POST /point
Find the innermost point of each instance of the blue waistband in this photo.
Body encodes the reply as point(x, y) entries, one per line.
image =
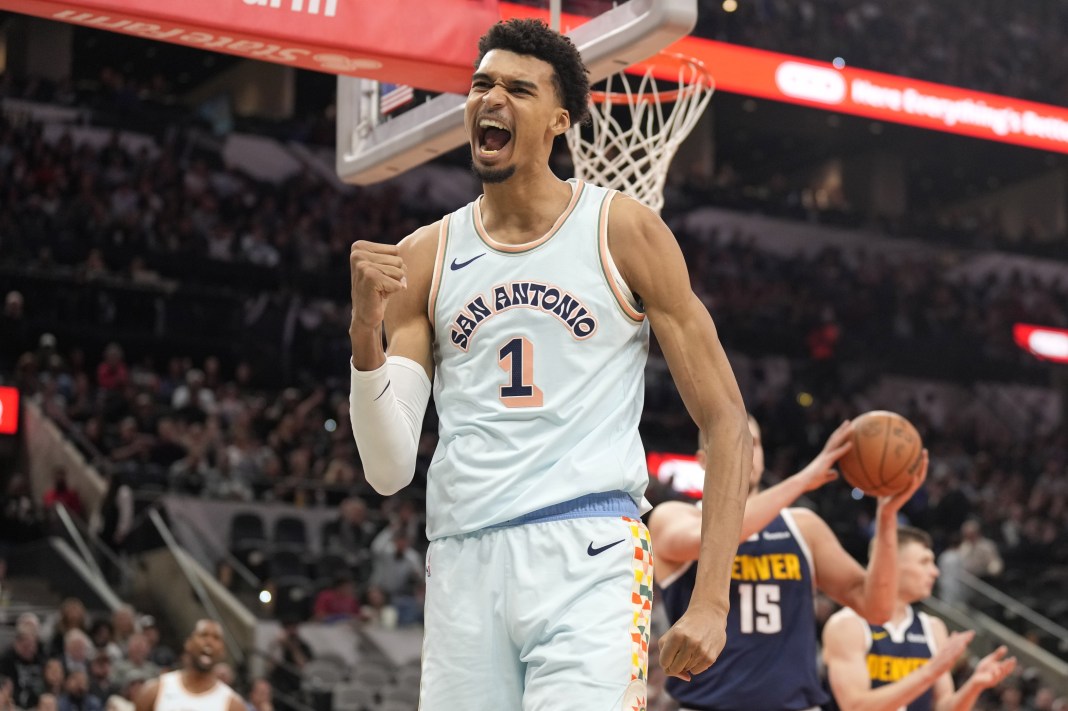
point(603, 504)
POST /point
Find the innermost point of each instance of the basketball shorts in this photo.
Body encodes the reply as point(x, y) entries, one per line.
point(550, 612)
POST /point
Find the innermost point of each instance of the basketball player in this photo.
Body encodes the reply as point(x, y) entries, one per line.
point(770, 658)
point(194, 687)
point(530, 310)
point(905, 662)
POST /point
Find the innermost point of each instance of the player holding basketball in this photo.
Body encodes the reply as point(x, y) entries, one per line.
point(906, 661)
point(530, 309)
point(770, 658)
point(195, 686)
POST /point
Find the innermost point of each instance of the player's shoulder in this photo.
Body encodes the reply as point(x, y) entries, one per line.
point(845, 622)
point(936, 624)
point(423, 241)
point(807, 520)
point(669, 511)
point(628, 216)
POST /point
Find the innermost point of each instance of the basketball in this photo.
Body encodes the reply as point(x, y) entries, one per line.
point(886, 454)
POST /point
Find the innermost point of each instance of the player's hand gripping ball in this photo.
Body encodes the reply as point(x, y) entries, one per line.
point(887, 453)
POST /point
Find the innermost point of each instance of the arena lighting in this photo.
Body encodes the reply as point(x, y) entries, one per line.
point(1042, 342)
point(9, 411)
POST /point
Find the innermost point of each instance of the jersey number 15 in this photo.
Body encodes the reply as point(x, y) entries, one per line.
point(758, 608)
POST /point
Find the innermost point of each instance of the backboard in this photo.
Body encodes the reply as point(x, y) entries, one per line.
point(373, 146)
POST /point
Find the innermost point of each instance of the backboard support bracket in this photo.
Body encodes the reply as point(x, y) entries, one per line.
point(369, 152)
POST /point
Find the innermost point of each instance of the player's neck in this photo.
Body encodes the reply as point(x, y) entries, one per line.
point(901, 612)
point(198, 682)
point(524, 207)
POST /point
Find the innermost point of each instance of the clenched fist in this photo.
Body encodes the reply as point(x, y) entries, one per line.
point(377, 272)
point(693, 643)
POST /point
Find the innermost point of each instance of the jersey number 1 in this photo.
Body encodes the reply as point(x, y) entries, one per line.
point(516, 358)
point(759, 608)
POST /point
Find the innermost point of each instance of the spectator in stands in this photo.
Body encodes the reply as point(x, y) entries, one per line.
point(112, 374)
point(76, 696)
point(289, 654)
point(71, 616)
point(351, 535)
point(18, 337)
point(47, 702)
point(979, 554)
point(62, 493)
point(131, 683)
point(193, 401)
point(160, 654)
point(20, 518)
point(101, 632)
point(77, 651)
point(224, 673)
point(101, 684)
point(950, 564)
point(337, 602)
point(398, 570)
point(114, 522)
point(23, 664)
point(136, 659)
point(376, 609)
point(55, 677)
point(7, 690)
point(260, 696)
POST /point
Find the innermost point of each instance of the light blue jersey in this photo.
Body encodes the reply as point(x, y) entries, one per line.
point(539, 358)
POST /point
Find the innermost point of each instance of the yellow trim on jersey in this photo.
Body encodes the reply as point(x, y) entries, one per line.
point(500, 247)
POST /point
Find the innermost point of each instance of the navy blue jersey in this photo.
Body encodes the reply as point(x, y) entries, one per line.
point(894, 651)
point(769, 661)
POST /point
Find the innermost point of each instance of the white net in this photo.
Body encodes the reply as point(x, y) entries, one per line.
point(633, 155)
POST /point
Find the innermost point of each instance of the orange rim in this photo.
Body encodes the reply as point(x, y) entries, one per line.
point(697, 69)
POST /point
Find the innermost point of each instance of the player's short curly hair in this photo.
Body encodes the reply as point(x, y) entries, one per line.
point(536, 39)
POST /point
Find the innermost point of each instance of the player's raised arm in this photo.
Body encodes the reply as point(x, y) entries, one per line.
point(675, 526)
point(390, 291)
point(870, 591)
point(761, 509)
point(652, 265)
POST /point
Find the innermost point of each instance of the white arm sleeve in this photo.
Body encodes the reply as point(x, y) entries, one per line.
point(386, 408)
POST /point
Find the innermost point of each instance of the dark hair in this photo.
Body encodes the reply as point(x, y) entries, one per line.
point(909, 534)
point(535, 39)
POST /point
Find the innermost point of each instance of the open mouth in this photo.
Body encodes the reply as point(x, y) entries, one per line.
point(492, 136)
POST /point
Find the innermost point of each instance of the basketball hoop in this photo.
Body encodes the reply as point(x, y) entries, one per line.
point(634, 157)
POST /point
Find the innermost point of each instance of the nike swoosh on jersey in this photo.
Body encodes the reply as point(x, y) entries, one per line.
point(594, 551)
point(460, 265)
point(879, 635)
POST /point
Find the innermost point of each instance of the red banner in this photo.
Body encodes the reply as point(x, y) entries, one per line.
point(428, 43)
point(885, 97)
point(754, 72)
point(9, 410)
point(1042, 342)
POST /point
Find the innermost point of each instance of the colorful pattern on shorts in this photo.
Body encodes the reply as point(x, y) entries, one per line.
point(642, 597)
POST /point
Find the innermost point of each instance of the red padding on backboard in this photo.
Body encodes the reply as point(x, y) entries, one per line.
point(428, 43)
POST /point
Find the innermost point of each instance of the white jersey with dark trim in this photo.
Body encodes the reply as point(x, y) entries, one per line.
point(173, 696)
point(540, 355)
